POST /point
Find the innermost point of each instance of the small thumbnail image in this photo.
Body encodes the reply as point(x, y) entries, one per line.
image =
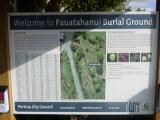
point(111, 57)
point(146, 57)
point(123, 57)
point(134, 57)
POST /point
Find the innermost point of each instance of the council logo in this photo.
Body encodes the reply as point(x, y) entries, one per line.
point(146, 107)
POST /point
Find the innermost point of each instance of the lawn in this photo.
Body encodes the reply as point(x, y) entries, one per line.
point(67, 82)
point(85, 80)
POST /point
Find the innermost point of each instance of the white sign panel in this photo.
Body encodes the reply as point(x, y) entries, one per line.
point(83, 63)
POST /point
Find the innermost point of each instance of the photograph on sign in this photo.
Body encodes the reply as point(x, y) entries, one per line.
point(82, 62)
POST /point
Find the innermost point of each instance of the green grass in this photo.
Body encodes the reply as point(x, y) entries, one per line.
point(67, 82)
point(86, 80)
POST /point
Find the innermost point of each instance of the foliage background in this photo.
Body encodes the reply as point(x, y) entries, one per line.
point(68, 5)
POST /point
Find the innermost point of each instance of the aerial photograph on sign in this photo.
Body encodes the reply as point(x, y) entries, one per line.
point(83, 65)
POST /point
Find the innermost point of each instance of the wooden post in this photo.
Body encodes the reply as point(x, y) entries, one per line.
point(4, 56)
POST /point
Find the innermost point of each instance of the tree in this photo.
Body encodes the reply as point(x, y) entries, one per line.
point(99, 69)
point(79, 53)
point(97, 83)
point(100, 57)
point(92, 39)
point(101, 42)
point(73, 46)
point(69, 5)
point(128, 9)
point(92, 73)
point(30, 5)
point(140, 9)
point(94, 5)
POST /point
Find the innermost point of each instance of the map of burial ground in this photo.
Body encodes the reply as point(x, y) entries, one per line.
point(83, 61)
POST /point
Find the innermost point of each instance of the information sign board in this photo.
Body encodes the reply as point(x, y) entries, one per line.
point(83, 63)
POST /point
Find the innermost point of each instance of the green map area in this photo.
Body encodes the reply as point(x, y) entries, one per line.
point(83, 68)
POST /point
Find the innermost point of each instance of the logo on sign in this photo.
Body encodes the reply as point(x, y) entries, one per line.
point(146, 107)
point(133, 106)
